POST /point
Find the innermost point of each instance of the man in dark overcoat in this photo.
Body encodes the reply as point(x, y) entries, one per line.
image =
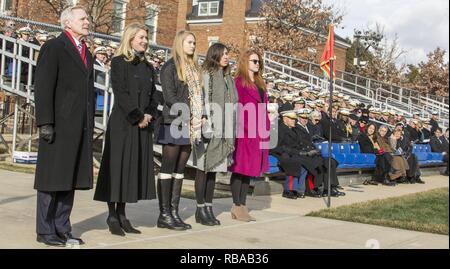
point(64, 96)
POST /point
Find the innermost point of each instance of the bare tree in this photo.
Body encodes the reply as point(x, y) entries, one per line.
point(383, 60)
point(102, 13)
point(292, 26)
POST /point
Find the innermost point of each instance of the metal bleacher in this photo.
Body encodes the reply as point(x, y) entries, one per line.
point(21, 90)
point(348, 155)
point(368, 91)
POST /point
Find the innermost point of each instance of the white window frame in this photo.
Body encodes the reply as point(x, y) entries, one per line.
point(212, 40)
point(3, 6)
point(155, 9)
point(209, 5)
point(122, 15)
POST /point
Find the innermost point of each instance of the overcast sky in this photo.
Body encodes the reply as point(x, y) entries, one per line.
point(421, 25)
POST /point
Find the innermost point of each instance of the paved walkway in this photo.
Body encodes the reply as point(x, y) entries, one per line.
point(281, 222)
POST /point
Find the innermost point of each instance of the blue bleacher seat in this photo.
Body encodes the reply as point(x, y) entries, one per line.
point(273, 165)
point(425, 156)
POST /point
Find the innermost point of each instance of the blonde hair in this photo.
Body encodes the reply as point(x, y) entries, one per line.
point(180, 58)
point(129, 34)
point(67, 14)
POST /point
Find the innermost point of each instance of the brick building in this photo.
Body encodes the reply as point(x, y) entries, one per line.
point(228, 21)
point(231, 21)
point(159, 15)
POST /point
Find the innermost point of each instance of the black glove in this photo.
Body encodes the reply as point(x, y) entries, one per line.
point(47, 133)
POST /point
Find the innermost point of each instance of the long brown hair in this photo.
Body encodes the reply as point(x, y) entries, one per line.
point(213, 57)
point(243, 67)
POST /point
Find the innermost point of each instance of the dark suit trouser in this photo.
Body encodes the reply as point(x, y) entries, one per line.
point(53, 212)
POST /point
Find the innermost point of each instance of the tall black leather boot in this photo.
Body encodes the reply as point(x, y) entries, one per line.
point(175, 200)
point(164, 189)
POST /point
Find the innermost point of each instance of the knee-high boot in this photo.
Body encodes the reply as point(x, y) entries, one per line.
point(175, 200)
point(164, 189)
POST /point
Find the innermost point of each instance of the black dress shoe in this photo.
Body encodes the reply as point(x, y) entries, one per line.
point(114, 226)
point(370, 182)
point(50, 240)
point(315, 193)
point(420, 181)
point(126, 226)
point(289, 195)
point(333, 193)
point(387, 182)
point(68, 236)
point(339, 193)
point(301, 195)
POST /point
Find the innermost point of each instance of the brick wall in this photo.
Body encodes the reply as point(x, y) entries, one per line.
point(36, 10)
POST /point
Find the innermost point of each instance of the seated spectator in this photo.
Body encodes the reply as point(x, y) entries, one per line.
point(314, 126)
point(411, 131)
point(307, 144)
point(434, 122)
point(343, 124)
point(294, 154)
point(401, 143)
point(354, 124)
point(368, 143)
point(338, 133)
point(363, 121)
point(446, 136)
point(425, 129)
point(287, 152)
point(439, 144)
point(399, 165)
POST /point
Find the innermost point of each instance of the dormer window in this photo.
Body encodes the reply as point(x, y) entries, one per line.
point(208, 8)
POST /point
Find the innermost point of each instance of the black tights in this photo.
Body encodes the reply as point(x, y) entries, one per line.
point(239, 188)
point(117, 210)
point(204, 187)
point(174, 158)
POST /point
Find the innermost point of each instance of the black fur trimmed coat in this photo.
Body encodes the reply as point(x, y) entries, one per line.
point(126, 172)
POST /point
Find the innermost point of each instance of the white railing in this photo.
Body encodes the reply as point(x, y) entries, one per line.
point(378, 96)
point(361, 84)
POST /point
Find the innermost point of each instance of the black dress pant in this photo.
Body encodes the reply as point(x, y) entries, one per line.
point(53, 212)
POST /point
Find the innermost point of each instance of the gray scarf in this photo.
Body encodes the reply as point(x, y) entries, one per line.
point(220, 90)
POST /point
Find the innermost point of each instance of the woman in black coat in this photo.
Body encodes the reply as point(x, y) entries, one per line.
point(181, 127)
point(369, 144)
point(126, 173)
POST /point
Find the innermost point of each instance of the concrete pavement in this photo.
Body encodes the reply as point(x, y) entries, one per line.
point(277, 218)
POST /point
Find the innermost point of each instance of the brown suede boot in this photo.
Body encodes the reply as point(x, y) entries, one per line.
point(238, 213)
point(250, 217)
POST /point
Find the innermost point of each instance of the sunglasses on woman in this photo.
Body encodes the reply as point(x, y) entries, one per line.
point(255, 61)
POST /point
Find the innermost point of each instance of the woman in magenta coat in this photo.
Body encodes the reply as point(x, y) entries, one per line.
point(251, 157)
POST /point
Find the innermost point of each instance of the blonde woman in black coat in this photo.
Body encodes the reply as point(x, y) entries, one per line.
point(126, 172)
point(181, 127)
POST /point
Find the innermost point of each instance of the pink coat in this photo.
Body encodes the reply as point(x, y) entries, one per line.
point(251, 155)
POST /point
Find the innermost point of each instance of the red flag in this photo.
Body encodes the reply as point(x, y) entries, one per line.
point(328, 54)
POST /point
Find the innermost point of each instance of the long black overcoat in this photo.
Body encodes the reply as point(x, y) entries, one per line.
point(64, 98)
point(126, 172)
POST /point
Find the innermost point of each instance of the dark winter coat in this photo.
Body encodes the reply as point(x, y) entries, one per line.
point(126, 173)
point(64, 96)
point(174, 91)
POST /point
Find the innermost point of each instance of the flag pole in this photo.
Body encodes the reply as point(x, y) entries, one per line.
point(330, 111)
